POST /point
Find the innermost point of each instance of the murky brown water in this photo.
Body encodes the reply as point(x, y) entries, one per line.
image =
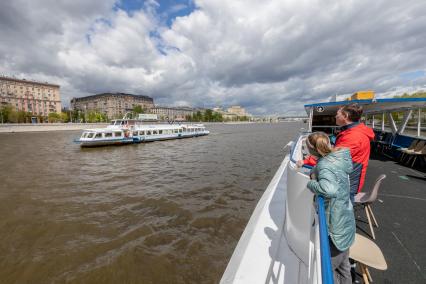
point(162, 212)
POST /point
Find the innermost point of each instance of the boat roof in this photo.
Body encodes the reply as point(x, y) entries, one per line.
point(147, 127)
point(370, 106)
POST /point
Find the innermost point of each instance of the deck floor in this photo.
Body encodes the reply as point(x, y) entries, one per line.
point(400, 211)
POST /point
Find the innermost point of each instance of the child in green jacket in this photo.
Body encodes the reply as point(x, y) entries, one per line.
point(330, 178)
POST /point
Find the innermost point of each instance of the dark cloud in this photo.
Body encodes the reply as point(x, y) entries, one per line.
point(268, 56)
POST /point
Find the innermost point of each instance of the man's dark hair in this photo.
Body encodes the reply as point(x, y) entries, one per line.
point(353, 111)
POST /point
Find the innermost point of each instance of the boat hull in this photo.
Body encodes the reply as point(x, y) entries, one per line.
point(100, 143)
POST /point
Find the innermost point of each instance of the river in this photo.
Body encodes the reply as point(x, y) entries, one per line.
point(162, 212)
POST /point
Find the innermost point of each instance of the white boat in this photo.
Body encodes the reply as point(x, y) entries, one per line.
point(286, 238)
point(128, 131)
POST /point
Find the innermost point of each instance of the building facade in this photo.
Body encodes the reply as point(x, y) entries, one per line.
point(173, 113)
point(233, 113)
point(114, 105)
point(37, 98)
point(238, 111)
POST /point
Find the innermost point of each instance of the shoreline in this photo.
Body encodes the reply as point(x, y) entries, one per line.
point(45, 127)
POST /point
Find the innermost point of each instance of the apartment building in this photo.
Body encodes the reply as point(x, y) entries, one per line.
point(114, 105)
point(38, 98)
point(173, 113)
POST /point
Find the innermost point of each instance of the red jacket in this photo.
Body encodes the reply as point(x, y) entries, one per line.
point(310, 160)
point(357, 138)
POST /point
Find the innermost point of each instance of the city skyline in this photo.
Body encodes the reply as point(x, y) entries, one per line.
point(269, 57)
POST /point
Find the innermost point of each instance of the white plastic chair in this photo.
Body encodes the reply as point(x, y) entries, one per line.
point(365, 199)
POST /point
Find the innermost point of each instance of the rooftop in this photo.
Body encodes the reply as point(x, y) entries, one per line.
point(27, 81)
point(112, 94)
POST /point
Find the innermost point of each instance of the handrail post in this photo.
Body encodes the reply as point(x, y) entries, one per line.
point(326, 268)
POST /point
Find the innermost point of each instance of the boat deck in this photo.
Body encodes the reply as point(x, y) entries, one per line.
point(401, 213)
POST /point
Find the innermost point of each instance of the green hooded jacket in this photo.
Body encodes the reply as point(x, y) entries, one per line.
point(332, 182)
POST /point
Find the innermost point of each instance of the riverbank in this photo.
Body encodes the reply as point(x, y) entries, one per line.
point(25, 127)
point(40, 127)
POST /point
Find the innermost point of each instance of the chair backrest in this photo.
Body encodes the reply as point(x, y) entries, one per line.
point(373, 194)
point(420, 145)
point(413, 144)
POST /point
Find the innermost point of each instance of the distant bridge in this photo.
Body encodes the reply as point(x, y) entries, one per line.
point(292, 117)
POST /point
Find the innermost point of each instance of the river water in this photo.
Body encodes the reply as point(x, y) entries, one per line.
point(161, 212)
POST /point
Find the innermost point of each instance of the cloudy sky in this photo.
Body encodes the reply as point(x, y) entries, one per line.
point(270, 57)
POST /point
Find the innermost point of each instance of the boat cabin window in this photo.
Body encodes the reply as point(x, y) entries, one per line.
point(180, 130)
point(148, 132)
point(325, 123)
point(117, 134)
point(135, 133)
point(154, 132)
point(108, 134)
point(98, 135)
point(160, 131)
point(176, 131)
point(90, 135)
point(141, 133)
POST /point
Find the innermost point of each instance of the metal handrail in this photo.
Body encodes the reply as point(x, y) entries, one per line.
point(326, 271)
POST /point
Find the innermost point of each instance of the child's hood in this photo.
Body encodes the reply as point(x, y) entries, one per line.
point(341, 158)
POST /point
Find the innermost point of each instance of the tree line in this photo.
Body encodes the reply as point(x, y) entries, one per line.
point(8, 114)
point(211, 116)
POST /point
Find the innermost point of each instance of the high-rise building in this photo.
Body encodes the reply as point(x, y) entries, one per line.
point(38, 98)
point(114, 105)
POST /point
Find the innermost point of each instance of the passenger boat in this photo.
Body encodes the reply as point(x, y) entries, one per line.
point(286, 238)
point(129, 131)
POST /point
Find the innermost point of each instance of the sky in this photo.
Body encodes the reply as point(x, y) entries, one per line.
point(270, 57)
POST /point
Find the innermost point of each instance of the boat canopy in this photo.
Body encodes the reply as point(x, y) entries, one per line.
point(376, 112)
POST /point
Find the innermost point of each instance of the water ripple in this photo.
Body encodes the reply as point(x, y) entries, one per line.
point(163, 212)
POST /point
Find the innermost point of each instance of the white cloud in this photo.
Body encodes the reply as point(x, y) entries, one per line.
point(268, 56)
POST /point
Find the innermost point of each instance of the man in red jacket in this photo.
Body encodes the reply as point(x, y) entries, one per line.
point(355, 136)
